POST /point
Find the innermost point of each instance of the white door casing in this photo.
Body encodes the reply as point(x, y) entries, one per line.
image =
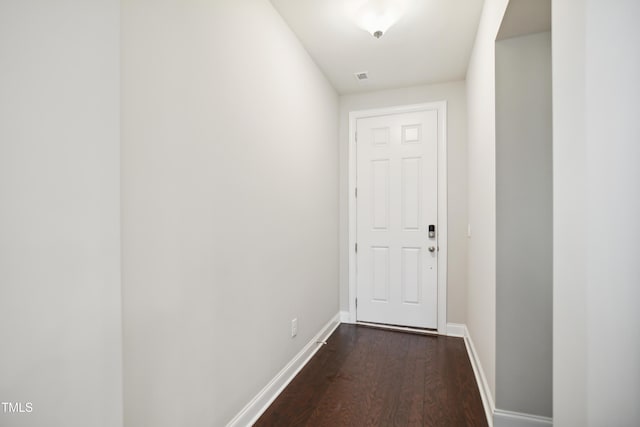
point(399, 165)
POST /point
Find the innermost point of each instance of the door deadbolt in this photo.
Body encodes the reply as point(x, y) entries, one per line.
point(432, 231)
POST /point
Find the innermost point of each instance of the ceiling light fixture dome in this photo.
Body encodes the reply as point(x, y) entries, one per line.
point(377, 16)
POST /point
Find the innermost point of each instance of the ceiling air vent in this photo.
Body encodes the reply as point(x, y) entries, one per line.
point(362, 76)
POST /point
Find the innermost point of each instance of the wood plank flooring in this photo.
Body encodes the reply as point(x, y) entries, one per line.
point(372, 377)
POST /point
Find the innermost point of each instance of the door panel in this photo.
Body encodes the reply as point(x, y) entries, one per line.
point(380, 194)
point(397, 201)
point(411, 184)
point(380, 273)
point(411, 276)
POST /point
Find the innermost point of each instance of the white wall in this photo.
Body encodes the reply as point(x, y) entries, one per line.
point(454, 94)
point(524, 227)
point(569, 206)
point(60, 310)
point(230, 214)
point(596, 209)
point(481, 300)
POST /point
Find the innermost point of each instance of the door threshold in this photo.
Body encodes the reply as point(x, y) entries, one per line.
point(421, 331)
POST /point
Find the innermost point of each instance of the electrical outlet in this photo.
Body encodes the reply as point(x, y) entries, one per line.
point(294, 327)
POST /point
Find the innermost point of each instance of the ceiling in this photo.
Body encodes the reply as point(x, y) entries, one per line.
point(430, 43)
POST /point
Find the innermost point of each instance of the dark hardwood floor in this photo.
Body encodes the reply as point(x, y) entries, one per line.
point(372, 377)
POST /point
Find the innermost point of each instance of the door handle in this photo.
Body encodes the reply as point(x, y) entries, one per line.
point(432, 248)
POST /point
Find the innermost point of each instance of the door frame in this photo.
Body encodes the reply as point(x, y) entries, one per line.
point(441, 108)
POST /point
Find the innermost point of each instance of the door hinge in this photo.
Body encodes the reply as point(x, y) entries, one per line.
point(356, 136)
point(356, 191)
point(356, 248)
point(356, 302)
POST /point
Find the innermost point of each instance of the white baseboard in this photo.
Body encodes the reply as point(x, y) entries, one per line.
point(345, 317)
point(481, 379)
point(256, 407)
point(515, 419)
point(456, 330)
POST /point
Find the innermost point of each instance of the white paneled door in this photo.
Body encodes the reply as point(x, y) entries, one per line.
point(396, 203)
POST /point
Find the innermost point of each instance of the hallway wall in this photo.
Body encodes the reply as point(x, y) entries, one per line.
point(596, 65)
point(454, 94)
point(60, 300)
point(230, 215)
point(481, 301)
point(524, 227)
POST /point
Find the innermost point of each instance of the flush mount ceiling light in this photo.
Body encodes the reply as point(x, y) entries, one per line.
point(377, 16)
